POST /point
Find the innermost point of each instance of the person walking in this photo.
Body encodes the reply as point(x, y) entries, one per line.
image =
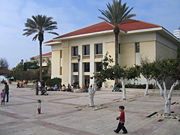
point(37, 87)
point(3, 97)
point(6, 88)
point(121, 119)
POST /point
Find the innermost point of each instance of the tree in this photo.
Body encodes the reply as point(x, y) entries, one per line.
point(25, 75)
point(123, 74)
point(23, 71)
point(162, 72)
point(116, 72)
point(119, 73)
point(19, 67)
point(38, 25)
point(101, 76)
point(115, 14)
point(146, 71)
point(3, 63)
point(30, 65)
point(4, 67)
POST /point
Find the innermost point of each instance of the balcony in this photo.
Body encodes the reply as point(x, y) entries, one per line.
point(74, 58)
point(86, 57)
point(98, 56)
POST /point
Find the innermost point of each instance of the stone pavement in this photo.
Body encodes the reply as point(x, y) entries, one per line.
point(68, 114)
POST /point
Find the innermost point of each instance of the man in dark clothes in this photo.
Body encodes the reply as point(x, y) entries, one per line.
point(6, 88)
point(37, 87)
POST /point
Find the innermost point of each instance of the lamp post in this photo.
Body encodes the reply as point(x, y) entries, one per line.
point(79, 58)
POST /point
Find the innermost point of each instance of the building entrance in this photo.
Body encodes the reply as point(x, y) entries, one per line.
point(86, 80)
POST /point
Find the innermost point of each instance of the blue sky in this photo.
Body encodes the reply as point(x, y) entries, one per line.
point(70, 15)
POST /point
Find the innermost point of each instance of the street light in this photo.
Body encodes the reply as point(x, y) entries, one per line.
point(79, 58)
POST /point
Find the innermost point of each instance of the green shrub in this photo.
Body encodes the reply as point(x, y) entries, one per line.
point(45, 78)
point(54, 81)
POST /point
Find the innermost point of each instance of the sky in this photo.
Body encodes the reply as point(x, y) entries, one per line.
point(70, 15)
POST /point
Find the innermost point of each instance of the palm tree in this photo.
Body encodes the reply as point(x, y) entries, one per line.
point(38, 25)
point(115, 14)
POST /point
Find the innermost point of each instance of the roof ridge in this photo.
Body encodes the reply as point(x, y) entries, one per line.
point(49, 41)
point(148, 23)
point(128, 25)
point(50, 53)
point(79, 29)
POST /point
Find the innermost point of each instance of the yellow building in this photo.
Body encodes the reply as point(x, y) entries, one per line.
point(78, 54)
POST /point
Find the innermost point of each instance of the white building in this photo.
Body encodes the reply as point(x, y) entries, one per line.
point(77, 55)
point(46, 59)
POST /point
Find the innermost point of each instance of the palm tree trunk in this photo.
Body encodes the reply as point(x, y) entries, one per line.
point(116, 32)
point(40, 54)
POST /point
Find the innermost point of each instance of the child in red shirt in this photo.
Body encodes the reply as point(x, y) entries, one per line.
point(121, 119)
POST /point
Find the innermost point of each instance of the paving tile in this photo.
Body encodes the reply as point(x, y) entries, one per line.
point(65, 113)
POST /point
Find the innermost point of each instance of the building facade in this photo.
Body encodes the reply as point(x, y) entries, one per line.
point(46, 59)
point(77, 55)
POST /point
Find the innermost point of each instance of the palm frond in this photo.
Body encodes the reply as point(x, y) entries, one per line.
point(50, 28)
point(103, 18)
point(29, 32)
point(126, 13)
point(129, 16)
point(107, 16)
point(39, 25)
point(54, 33)
point(35, 37)
point(116, 12)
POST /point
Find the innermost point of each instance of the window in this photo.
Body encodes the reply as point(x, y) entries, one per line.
point(75, 51)
point(86, 67)
point(98, 49)
point(98, 66)
point(75, 67)
point(137, 47)
point(86, 49)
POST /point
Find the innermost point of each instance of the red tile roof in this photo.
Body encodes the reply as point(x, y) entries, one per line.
point(131, 24)
point(45, 54)
point(102, 26)
point(128, 25)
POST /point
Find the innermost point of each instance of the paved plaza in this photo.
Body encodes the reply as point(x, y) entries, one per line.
point(65, 113)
